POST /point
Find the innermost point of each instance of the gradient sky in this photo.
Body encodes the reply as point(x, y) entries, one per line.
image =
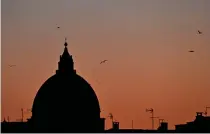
point(145, 41)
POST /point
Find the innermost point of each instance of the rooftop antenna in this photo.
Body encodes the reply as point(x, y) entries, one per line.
point(206, 110)
point(22, 114)
point(111, 117)
point(132, 124)
point(151, 110)
point(8, 118)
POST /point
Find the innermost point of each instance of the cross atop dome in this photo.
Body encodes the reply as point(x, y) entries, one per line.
point(65, 44)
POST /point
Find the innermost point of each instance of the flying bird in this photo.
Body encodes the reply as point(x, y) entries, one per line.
point(12, 65)
point(103, 61)
point(199, 32)
point(57, 26)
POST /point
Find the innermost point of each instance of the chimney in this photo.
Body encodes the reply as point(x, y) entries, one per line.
point(115, 125)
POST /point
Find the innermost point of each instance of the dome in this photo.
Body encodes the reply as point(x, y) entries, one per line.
point(73, 93)
point(65, 101)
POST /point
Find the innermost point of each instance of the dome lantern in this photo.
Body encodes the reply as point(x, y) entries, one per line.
point(66, 63)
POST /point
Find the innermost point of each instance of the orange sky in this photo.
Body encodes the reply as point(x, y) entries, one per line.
point(145, 41)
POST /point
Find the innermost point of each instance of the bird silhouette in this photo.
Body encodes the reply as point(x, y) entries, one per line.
point(103, 61)
point(12, 65)
point(57, 26)
point(199, 32)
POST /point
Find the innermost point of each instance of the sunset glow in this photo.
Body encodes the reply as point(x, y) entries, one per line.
point(146, 43)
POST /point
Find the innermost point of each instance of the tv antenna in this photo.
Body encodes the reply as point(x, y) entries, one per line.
point(206, 110)
point(111, 117)
point(24, 111)
point(151, 110)
point(132, 124)
point(8, 118)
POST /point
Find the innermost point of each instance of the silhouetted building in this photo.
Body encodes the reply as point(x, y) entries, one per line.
point(66, 102)
point(163, 127)
point(200, 124)
point(14, 127)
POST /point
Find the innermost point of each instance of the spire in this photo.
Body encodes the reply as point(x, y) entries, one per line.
point(66, 63)
point(65, 44)
point(65, 52)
